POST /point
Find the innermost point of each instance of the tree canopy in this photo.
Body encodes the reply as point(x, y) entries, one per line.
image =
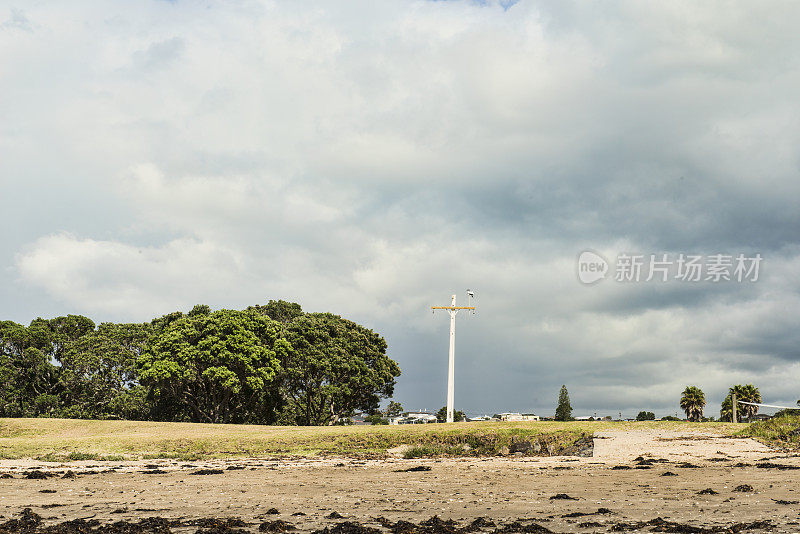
point(216, 366)
point(693, 400)
point(99, 372)
point(335, 367)
point(267, 364)
point(29, 382)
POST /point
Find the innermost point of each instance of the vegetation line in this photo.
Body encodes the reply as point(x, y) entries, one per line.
point(71, 439)
point(272, 364)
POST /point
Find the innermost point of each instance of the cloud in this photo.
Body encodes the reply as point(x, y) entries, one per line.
point(126, 280)
point(373, 159)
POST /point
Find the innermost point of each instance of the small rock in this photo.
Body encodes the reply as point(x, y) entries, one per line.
point(562, 497)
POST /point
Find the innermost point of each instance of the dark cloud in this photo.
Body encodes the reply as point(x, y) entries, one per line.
point(374, 160)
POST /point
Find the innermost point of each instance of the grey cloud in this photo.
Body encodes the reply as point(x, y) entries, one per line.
point(372, 160)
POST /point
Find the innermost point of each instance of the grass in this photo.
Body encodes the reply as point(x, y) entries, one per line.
point(779, 432)
point(74, 439)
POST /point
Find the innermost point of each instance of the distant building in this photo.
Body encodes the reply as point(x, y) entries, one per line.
point(413, 418)
point(514, 416)
point(359, 420)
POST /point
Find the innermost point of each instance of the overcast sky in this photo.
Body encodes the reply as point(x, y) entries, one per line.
point(373, 158)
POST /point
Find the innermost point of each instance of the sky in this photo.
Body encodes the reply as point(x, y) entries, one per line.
point(373, 158)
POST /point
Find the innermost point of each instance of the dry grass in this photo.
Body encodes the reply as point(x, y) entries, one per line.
point(64, 439)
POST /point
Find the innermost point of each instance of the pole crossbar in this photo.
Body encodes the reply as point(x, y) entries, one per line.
point(453, 308)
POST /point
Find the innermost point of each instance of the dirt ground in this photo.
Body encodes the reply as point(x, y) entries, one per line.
point(633, 478)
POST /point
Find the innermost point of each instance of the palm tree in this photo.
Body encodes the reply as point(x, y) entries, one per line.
point(693, 400)
point(746, 393)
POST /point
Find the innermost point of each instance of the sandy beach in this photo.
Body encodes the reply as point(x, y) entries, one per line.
point(682, 477)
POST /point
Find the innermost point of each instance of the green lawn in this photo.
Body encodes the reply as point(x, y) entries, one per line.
point(64, 439)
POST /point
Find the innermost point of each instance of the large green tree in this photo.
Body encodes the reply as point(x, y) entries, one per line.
point(30, 382)
point(746, 393)
point(220, 367)
point(335, 367)
point(693, 400)
point(100, 375)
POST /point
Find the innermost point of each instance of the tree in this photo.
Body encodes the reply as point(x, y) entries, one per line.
point(224, 366)
point(395, 409)
point(564, 408)
point(30, 382)
point(646, 416)
point(218, 366)
point(100, 375)
point(441, 415)
point(335, 367)
point(746, 393)
point(693, 400)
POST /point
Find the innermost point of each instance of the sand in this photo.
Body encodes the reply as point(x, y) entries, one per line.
point(625, 476)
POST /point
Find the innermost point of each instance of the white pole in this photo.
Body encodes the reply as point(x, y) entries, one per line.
point(453, 311)
point(452, 363)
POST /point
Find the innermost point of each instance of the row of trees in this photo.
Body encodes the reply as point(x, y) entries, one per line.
point(693, 401)
point(271, 364)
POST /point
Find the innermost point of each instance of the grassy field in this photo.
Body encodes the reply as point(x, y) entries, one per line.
point(72, 439)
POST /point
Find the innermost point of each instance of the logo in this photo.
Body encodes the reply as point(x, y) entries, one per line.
point(592, 267)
